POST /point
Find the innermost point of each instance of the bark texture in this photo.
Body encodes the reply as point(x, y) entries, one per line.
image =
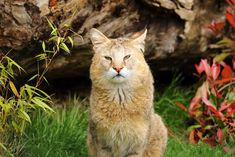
point(176, 36)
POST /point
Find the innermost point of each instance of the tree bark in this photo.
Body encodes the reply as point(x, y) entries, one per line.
point(177, 36)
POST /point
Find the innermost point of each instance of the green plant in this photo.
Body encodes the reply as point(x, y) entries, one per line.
point(56, 43)
point(17, 104)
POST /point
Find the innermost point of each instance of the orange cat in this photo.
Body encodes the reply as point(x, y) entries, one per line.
point(122, 121)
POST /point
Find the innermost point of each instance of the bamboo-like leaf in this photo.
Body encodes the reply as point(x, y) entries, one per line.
point(50, 24)
point(54, 32)
point(41, 56)
point(66, 25)
point(49, 51)
point(44, 78)
point(38, 91)
point(14, 90)
point(14, 63)
point(24, 116)
point(41, 104)
point(53, 38)
point(43, 46)
point(59, 40)
point(64, 47)
point(33, 77)
point(71, 40)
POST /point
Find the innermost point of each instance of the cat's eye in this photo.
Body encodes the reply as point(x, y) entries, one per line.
point(126, 57)
point(108, 58)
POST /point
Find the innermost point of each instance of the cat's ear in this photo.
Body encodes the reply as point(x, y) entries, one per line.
point(98, 38)
point(139, 41)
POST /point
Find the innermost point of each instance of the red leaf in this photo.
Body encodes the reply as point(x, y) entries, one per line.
point(203, 66)
point(227, 72)
point(194, 103)
point(207, 67)
point(231, 2)
point(199, 68)
point(226, 149)
point(223, 106)
point(212, 108)
point(211, 141)
point(230, 17)
point(181, 106)
point(192, 137)
point(216, 91)
point(215, 71)
point(220, 135)
point(220, 82)
point(216, 27)
point(230, 112)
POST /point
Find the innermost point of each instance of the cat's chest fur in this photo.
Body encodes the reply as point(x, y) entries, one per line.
point(121, 117)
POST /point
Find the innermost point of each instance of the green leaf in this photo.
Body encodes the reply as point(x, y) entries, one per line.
point(38, 91)
point(71, 40)
point(54, 38)
point(33, 77)
point(3, 147)
point(59, 39)
point(44, 78)
point(231, 97)
point(54, 32)
point(15, 126)
point(66, 25)
point(50, 24)
point(208, 127)
point(192, 127)
point(10, 61)
point(64, 47)
point(41, 56)
point(220, 57)
point(37, 101)
point(24, 115)
point(43, 46)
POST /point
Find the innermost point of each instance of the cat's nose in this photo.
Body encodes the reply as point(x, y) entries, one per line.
point(118, 69)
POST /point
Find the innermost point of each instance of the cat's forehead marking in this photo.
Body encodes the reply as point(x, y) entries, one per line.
point(117, 50)
point(117, 47)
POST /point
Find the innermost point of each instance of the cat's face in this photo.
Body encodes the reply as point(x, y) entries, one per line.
point(117, 60)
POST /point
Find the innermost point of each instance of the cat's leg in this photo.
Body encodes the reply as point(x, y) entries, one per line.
point(135, 154)
point(97, 150)
point(158, 138)
point(104, 151)
point(92, 148)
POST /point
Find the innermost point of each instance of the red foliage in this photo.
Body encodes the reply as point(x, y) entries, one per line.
point(230, 16)
point(216, 27)
point(213, 106)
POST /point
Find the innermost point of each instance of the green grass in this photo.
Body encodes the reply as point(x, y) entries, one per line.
point(63, 134)
point(165, 105)
point(179, 148)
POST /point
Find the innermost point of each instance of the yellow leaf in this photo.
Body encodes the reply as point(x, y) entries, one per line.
point(14, 90)
point(220, 57)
